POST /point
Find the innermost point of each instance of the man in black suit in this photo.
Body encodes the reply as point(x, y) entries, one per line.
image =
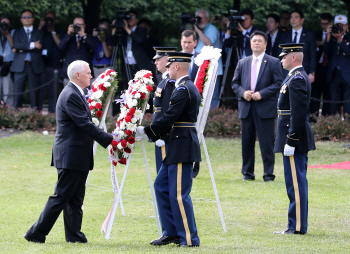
point(321, 86)
point(274, 35)
point(173, 183)
point(188, 43)
point(77, 45)
point(133, 40)
point(337, 46)
point(294, 138)
point(28, 63)
point(298, 34)
point(256, 82)
point(72, 155)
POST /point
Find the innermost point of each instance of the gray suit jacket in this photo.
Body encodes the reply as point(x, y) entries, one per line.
point(268, 84)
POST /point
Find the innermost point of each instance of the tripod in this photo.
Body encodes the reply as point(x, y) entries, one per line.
point(120, 56)
point(238, 56)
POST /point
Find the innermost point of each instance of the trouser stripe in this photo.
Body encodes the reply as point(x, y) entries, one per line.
point(296, 193)
point(163, 152)
point(181, 205)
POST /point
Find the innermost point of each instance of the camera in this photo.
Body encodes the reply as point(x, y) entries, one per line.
point(4, 26)
point(337, 29)
point(102, 33)
point(234, 18)
point(76, 28)
point(119, 18)
point(49, 21)
point(187, 21)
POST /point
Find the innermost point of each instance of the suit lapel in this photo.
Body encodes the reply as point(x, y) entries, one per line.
point(249, 70)
point(302, 36)
point(262, 68)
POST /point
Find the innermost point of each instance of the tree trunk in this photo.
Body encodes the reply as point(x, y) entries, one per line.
point(91, 11)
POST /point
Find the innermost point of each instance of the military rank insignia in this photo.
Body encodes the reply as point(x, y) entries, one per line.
point(283, 88)
point(159, 92)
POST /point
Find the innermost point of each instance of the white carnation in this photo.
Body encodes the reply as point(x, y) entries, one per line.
point(107, 84)
point(95, 121)
point(131, 126)
point(137, 96)
point(138, 114)
point(122, 125)
point(133, 120)
point(98, 94)
point(93, 103)
point(119, 146)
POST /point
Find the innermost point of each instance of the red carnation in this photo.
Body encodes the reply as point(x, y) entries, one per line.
point(114, 163)
point(128, 119)
point(142, 96)
point(149, 88)
point(94, 89)
point(115, 143)
point(126, 105)
point(148, 75)
point(98, 105)
point(102, 76)
point(127, 150)
point(122, 161)
point(131, 140)
point(91, 107)
point(99, 113)
point(123, 143)
point(132, 110)
point(111, 151)
point(128, 132)
point(133, 93)
point(89, 100)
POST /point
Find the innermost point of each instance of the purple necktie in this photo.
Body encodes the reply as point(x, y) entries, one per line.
point(253, 75)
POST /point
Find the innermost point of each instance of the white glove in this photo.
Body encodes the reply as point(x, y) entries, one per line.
point(140, 130)
point(139, 137)
point(288, 150)
point(160, 143)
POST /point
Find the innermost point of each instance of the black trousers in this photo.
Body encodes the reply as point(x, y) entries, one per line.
point(69, 196)
point(340, 90)
point(20, 80)
point(320, 87)
point(45, 77)
point(265, 128)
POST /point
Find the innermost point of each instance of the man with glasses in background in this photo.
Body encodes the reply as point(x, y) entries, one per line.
point(28, 63)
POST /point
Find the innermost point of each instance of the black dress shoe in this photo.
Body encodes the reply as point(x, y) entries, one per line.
point(163, 240)
point(289, 231)
point(248, 178)
point(185, 245)
point(269, 180)
point(31, 239)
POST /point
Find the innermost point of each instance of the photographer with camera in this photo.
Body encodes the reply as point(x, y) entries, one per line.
point(209, 35)
point(6, 58)
point(52, 56)
point(28, 63)
point(133, 39)
point(103, 52)
point(337, 47)
point(77, 46)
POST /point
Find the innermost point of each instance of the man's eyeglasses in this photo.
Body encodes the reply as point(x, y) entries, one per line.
point(25, 17)
point(324, 24)
point(132, 16)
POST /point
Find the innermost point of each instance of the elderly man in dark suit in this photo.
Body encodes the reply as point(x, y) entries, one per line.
point(77, 45)
point(256, 82)
point(28, 63)
point(298, 34)
point(72, 156)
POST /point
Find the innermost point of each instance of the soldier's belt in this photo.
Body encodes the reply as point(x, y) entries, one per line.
point(184, 124)
point(283, 112)
point(157, 109)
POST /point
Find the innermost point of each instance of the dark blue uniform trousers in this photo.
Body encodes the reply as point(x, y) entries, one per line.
point(295, 168)
point(160, 154)
point(172, 188)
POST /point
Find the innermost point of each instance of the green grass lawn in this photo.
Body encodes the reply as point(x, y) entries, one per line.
point(252, 210)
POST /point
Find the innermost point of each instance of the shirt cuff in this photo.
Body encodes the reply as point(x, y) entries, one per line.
point(227, 36)
point(32, 45)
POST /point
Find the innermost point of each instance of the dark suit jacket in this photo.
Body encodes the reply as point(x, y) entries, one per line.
point(342, 58)
point(276, 50)
point(85, 52)
point(195, 68)
point(21, 44)
point(183, 141)
point(294, 129)
point(75, 133)
point(268, 84)
point(307, 37)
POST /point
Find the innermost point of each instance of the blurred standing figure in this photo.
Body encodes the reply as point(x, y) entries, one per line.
point(284, 20)
point(274, 35)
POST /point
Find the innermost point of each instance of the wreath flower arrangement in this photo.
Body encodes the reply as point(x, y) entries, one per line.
point(132, 104)
point(102, 90)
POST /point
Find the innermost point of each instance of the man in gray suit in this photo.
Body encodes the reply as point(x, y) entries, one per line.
point(72, 155)
point(28, 63)
point(256, 82)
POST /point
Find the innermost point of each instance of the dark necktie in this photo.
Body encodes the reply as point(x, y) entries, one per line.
point(269, 45)
point(78, 41)
point(295, 37)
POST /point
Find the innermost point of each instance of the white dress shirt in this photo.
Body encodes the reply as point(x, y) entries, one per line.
point(299, 34)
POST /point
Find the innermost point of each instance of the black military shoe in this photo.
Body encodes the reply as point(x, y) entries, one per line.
point(288, 231)
point(163, 240)
point(31, 239)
